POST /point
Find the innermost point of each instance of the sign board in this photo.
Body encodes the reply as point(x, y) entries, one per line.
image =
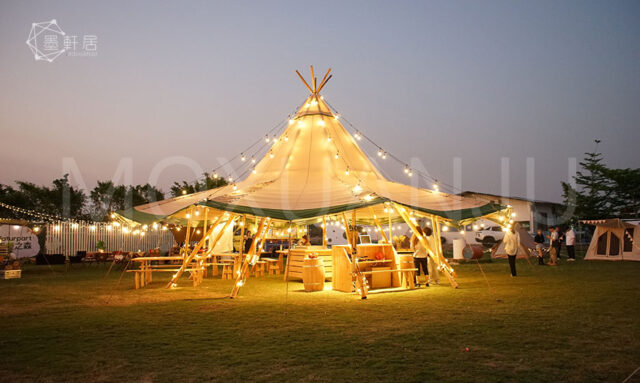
point(25, 242)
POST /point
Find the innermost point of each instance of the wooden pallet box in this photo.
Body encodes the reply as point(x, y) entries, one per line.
point(10, 274)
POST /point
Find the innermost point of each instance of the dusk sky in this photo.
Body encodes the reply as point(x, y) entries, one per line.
point(429, 81)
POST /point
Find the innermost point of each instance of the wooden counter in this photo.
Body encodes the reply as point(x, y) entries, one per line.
point(295, 261)
point(381, 273)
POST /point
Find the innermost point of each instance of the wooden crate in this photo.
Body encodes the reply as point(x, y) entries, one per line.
point(10, 274)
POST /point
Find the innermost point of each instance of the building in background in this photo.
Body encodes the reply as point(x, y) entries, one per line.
point(531, 214)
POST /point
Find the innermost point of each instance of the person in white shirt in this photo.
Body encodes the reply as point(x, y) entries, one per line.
point(570, 241)
point(511, 245)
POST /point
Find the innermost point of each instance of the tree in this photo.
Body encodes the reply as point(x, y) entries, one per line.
point(588, 200)
point(602, 192)
point(61, 199)
point(624, 192)
point(208, 182)
point(107, 197)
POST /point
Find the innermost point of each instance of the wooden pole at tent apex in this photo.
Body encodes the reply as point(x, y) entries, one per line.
point(324, 81)
point(304, 82)
point(315, 87)
point(448, 270)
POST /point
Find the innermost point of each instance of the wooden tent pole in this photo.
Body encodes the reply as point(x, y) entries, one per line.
point(375, 220)
point(249, 258)
point(244, 223)
point(188, 259)
point(324, 231)
point(354, 232)
point(313, 79)
point(187, 237)
point(323, 81)
point(390, 226)
point(441, 258)
point(425, 243)
point(305, 83)
point(206, 244)
point(286, 267)
point(348, 231)
point(204, 227)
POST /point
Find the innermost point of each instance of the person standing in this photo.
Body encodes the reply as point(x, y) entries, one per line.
point(558, 243)
point(553, 238)
point(539, 240)
point(570, 241)
point(511, 245)
point(434, 273)
point(420, 258)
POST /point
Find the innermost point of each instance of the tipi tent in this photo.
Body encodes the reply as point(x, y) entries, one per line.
point(526, 245)
point(314, 171)
point(614, 240)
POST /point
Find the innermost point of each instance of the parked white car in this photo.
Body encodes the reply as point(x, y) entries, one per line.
point(489, 235)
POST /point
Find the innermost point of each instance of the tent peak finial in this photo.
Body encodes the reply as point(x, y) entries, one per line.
point(315, 88)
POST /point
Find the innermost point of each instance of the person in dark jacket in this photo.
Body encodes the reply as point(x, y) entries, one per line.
point(539, 240)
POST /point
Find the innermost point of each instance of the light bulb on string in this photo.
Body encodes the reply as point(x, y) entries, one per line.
point(230, 178)
point(291, 120)
point(266, 138)
point(271, 155)
point(357, 136)
point(336, 155)
point(243, 158)
point(346, 172)
point(235, 187)
point(286, 138)
point(215, 175)
point(255, 171)
point(321, 123)
point(436, 187)
point(337, 116)
point(329, 139)
point(184, 192)
point(406, 169)
point(380, 152)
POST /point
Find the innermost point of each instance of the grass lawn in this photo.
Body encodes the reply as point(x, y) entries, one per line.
point(576, 322)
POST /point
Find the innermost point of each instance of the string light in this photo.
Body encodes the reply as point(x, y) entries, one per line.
point(329, 139)
point(253, 160)
point(321, 123)
point(184, 192)
point(406, 169)
point(271, 155)
point(266, 138)
point(346, 172)
point(255, 171)
point(357, 136)
point(336, 155)
point(243, 158)
point(380, 152)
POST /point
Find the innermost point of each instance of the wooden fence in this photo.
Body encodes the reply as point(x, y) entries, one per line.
point(67, 238)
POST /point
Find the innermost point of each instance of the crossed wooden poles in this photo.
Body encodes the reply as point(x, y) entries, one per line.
point(252, 256)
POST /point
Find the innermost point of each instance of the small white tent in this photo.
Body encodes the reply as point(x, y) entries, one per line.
point(526, 243)
point(614, 240)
